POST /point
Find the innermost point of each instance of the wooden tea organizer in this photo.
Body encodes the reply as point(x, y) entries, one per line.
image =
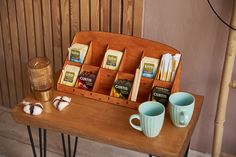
point(134, 49)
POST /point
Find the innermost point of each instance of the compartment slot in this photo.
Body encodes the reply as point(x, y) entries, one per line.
point(144, 89)
point(163, 84)
point(104, 81)
point(124, 76)
point(96, 55)
point(119, 43)
point(131, 60)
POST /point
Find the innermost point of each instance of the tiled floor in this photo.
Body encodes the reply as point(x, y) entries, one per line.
point(14, 142)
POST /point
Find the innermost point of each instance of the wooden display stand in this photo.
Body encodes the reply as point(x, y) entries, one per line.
point(134, 49)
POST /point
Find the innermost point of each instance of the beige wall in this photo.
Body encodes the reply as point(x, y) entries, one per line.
point(191, 27)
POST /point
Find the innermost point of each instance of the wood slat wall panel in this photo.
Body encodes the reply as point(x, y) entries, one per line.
point(23, 44)
point(65, 27)
point(116, 16)
point(47, 29)
point(15, 49)
point(8, 52)
point(38, 27)
point(31, 28)
point(3, 76)
point(95, 15)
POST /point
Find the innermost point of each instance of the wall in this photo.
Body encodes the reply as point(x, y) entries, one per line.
point(192, 28)
point(30, 28)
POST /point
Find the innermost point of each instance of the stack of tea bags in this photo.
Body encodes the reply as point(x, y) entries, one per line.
point(168, 67)
point(77, 52)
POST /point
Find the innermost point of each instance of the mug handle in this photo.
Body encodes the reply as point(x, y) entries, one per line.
point(135, 116)
point(183, 118)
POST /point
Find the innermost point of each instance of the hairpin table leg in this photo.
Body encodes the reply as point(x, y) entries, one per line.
point(75, 146)
point(186, 152)
point(69, 145)
point(150, 155)
point(45, 141)
point(40, 142)
point(31, 140)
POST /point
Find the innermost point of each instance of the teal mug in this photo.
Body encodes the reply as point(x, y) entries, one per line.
point(151, 116)
point(181, 108)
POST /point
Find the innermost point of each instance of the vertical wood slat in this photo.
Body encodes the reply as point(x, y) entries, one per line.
point(38, 27)
point(32, 28)
point(15, 49)
point(3, 76)
point(84, 14)
point(105, 15)
point(28, 5)
point(127, 17)
point(116, 16)
point(65, 27)
point(8, 52)
point(56, 28)
point(23, 44)
point(47, 29)
point(75, 16)
point(95, 15)
point(138, 12)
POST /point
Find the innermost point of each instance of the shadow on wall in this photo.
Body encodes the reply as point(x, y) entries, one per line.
point(192, 28)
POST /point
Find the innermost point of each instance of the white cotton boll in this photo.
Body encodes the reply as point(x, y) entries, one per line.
point(27, 109)
point(25, 102)
point(57, 98)
point(62, 105)
point(65, 98)
point(37, 109)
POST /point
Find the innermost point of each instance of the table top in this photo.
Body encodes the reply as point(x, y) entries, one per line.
point(107, 123)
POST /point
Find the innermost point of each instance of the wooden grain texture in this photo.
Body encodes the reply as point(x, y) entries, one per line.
point(23, 44)
point(85, 15)
point(108, 124)
point(47, 29)
point(33, 28)
point(3, 76)
point(75, 17)
point(15, 49)
point(29, 19)
point(56, 28)
point(116, 16)
point(127, 17)
point(95, 15)
point(65, 27)
point(8, 52)
point(105, 15)
point(137, 19)
point(37, 5)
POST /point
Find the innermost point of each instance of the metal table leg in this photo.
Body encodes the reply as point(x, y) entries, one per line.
point(40, 141)
point(69, 145)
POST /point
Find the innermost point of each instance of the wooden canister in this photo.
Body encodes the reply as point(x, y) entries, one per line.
point(41, 78)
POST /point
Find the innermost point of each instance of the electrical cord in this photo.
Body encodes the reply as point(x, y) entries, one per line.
point(228, 25)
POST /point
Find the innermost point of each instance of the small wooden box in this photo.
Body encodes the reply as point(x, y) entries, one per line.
point(134, 49)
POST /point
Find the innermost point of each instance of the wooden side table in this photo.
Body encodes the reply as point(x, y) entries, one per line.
point(106, 123)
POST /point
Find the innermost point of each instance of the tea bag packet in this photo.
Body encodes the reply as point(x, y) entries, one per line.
point(149, 67)
point(86, 80)
point(168, 67)
point(121, 88)
point(175, 64)
point(69, 75)
point(164, 67)
point(60, 102)
point(77, 53)
point(32, 108)
point(160, 94)
point(112, 59)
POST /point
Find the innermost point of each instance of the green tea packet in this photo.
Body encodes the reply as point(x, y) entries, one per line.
point(77, 53)
point(69, 75)
point(112, 59)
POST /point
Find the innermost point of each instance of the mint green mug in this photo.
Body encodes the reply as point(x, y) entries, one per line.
point(181, 108)
point(151, 116)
